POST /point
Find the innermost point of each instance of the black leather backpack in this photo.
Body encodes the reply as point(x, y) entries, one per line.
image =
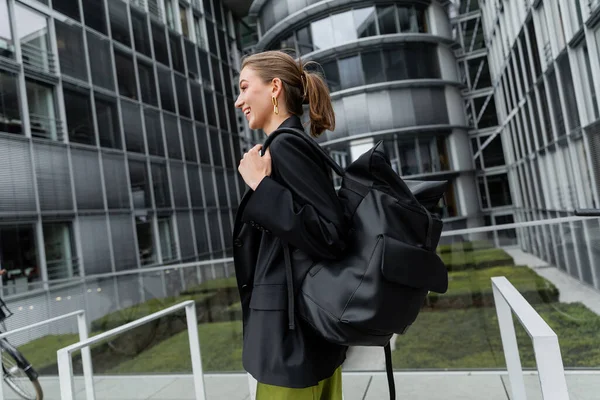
point(378, 287)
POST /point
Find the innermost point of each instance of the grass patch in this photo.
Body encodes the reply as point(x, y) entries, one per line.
point(42, 352)
point(137, 311)
point(465, 246)
point(212, 285)
point(221, 348)
point(474, 287)
point(470, 338)
point(476, 259)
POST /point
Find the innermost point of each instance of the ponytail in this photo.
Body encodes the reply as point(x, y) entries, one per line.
point(322, 116)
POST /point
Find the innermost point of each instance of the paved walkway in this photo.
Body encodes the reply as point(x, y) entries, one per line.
point(571, 289)
point(357, 386)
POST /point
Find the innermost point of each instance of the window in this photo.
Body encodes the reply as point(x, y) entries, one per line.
point(189, 144)
point(557, 112)
point(387, 20)
point(100, 61)
point(159, 41)
point(168, 247)
point(172, 136)
point(204, 68)
point(569, 92)
point(132, 125)
point(147, 83)
point(199, 28)
point(176, 53)
point(33, 36)
point(408, 158)
point(41, 103)
point(350, 72)
point(70, 50)
point(170, 14)
point(94, 16)
point(183, 15)
point(119, 26)
point(124, 249)
point(322, 34)
point(394, 62)
point(61, 259)
point(79, 116)
point(154, 136)
point(166, 90)
point(7, 46)
point(365, 22)
point(115, 181)
point(304, 39)
point(162, 196)
point(210, 107)
point(126, 75)
point(222, 105)
point(68, 7)
point(203, 148)
point(534, 49)
point(182, 96)
point(217, 75)
point(108, 122)
point(586, 66)
point(190, 57)
point(493, 154)
point(499, 190)
point(196, 91)
point(212, 39)
point(145, 238)
point(18, 256)
point(141, 37)
point(372, 66)
point(140, 189)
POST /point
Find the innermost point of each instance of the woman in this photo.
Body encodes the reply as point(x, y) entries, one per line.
point(290, 199)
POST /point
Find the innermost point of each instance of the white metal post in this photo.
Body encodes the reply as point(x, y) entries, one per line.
point(192, 326)
point(550, 368)
point(86, 358)
point(65, 374)
point(509, 344)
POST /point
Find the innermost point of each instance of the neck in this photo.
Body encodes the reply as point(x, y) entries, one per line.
point(274, 122)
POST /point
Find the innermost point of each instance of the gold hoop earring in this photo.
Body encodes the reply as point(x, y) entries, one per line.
point(275, 107)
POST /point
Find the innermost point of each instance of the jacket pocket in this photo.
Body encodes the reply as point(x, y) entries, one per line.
point(269, 298)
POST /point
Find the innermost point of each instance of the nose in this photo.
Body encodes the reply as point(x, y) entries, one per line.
point(239, 102)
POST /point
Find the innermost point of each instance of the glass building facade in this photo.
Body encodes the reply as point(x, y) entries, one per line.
point(118, 138)
point(544, 59)
point(392, 73)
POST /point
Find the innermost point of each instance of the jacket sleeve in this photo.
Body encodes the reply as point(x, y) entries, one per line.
point(298, 202)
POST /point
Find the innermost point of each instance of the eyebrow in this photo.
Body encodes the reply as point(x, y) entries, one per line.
point(243, 80)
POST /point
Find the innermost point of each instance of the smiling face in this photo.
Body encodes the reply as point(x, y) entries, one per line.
point(255, 99)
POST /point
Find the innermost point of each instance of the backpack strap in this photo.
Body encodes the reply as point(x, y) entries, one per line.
point(297, 132)
point(290, 285)
point(390, 372)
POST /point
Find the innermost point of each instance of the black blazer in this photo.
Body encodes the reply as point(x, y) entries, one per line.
point(296, 204)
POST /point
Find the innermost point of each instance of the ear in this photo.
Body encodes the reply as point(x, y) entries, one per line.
point(276, 87)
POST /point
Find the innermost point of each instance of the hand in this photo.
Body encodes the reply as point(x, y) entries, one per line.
point(253, 167)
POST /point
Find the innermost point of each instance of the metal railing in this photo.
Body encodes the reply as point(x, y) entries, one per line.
point(86, 357)
point(545, 343)
point(65, 366)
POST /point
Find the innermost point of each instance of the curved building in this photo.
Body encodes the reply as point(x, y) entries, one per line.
point(393, 76)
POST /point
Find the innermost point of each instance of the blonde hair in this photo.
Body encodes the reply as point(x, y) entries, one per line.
point(299, 87)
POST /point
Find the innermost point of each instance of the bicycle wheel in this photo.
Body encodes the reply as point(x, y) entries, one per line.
point(19, 375)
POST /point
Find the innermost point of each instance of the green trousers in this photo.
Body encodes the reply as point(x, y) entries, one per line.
point(327, 389)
